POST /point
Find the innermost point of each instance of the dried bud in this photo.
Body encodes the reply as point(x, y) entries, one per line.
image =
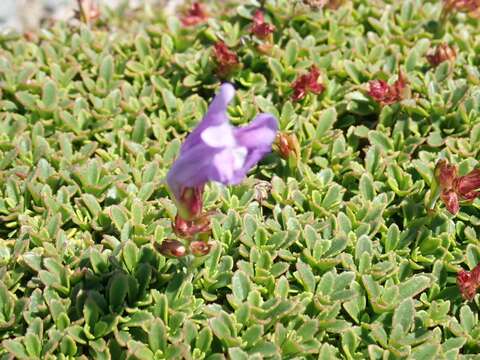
point(260, 28)
point(318, 4)
point(195, 15)
point(189, 228)
point(88, 10)
point(200, 248)
point(171, 248)
point(226, 59)
point(443, 52)
point(262, 189)
point(307, 83)
point(287, 145)
point(386, 94)
point(470, 6)
point(468, 282)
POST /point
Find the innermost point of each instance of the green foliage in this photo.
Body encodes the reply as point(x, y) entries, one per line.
point(336, 257)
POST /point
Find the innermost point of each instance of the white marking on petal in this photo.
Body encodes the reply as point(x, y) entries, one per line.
point(219, 136)
point(239, 155)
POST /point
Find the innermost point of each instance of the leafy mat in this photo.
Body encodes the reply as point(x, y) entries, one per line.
point(331, 254)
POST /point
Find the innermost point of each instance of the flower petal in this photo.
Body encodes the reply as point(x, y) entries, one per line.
point(215, 116)
point(218, 136)
point(227, 162)
point(260, 132)
point(257, 137)
point(193, 168)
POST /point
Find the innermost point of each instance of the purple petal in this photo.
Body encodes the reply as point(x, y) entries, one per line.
point(257, 137)
point(215, 116)
point(193, 168)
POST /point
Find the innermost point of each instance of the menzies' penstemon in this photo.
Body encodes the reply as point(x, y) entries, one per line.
point(216, 151)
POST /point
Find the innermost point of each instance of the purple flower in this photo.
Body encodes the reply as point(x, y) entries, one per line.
point(218, 151)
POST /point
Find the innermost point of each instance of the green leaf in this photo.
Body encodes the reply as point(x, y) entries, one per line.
point(130, 255)
point(413, 286)
point(16, 348)
point(325, 122)
point(404, 314)
point(276, 68)
point(107, 69)
point(291, 52)
point(237, 354)
point(240, 285)
point(306, 277)
point(50, 95)
point(118, 291)
point(353, 71)
point(157, 336)
point(32, 344)
point(204, 340)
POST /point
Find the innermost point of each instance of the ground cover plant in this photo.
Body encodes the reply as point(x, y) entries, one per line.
point(357, 237)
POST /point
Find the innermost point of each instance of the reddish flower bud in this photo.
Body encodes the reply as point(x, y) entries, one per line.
point(287, 145)
point(468, 186)
point(195, 15)
point(200, 248)
point(307, 83)
point(379, 90)
point(189, 228)
point(455, 188)
point(450, 199)
point(191, 202)
point(446, 174)
point(443, 52)
point(468, 282)
point(260, 28)
point(386, 94)
point(227, 60)
point(171, 248)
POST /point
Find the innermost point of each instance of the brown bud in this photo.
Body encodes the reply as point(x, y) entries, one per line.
point(442, 52)
point(189, 228)
point(88, 10)
point(287, 145)
point(200, 248)
point(171, 248)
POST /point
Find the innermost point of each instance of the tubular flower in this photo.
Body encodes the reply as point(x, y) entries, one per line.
point(455, 188)
point(195, 15)
point(443, 52)
point(260, 28)
point(227, 60)
point(468, 282)
point(386, 94)
point(217, 151)
point(307, 83)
